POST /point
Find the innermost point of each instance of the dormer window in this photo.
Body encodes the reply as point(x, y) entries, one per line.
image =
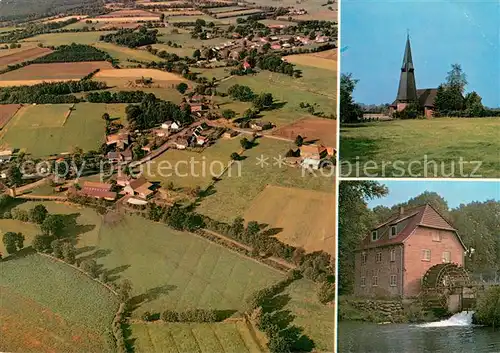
point(374, 235)
point(394, 231)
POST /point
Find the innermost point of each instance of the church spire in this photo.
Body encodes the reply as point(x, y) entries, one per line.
point(407, 91)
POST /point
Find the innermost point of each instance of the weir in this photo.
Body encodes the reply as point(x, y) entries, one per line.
point(463, 318)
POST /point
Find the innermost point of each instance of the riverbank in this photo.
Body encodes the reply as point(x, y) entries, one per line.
point(384, 311)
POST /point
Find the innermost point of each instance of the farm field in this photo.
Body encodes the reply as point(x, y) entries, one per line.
point(194, 338)
point(473, 140)
point(325, 61)
point(245, 12)
point(56, 39)
point(201, 168)
point(24, 55)
point(37, 318)
point(37, 73)
point(129, 13)
point(319, 130)
point(179, 51)
point(43, 130)
point(317, 320)
point(226, 9)
point(270, 22)
point(121, 77)
point(123, 54)
point(314, 88)
point(177, 270)
point(306, 217)
point(233, 195)
point(81, 24)
point(7, 111)
point(179, 19)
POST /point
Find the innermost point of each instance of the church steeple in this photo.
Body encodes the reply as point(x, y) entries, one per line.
point(407, 91)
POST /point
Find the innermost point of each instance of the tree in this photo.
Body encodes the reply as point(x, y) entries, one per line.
point(235, 156)
point(263, 100)
point(245, 143)
point(197, 54)
point(488, 308)
point(228, 113)
point(350, 112)
point(456, 78)
point(53, 225)
point(299, 140)
point(124, 290)
point(41, 242)
point(326, 292)
point(169, 316)
point(69, 252)
point(355, 220)
point(90, 266)
point(473, 105)
point(278, 344)
point(56, 247)
point(14, 175)
point(105, 117)
point(38, 214)
point(182, 87)
point(13, 242)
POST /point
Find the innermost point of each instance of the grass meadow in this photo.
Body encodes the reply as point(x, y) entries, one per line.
point(194, 338)
point(443, 140)
point(43, 130)
point(233, 194)
point(57, 39)
point(123, 54)
point(37, 317)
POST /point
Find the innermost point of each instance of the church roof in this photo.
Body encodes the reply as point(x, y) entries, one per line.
point(426, 97)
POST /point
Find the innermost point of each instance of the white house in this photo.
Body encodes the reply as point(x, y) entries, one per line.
point(310, 163)
point(175, 126)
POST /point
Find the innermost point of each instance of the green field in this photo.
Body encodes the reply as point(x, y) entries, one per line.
point(194, 169)
point(440, 140)
point(46, 306)
point(57, 39)
point(184, 38)
point(123, 53)
point(234, 193)
point(42, 130)
point(207, 18)
point(179, 51)
point(194, 338)
point(315, 87)
point(317, 320)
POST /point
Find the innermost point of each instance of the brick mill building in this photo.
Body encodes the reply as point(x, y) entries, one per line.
point(392, 260)
point(408, 92)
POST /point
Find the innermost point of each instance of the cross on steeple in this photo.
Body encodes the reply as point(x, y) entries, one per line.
point(407, 91)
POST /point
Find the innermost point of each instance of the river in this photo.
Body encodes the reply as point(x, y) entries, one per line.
point(454, 335)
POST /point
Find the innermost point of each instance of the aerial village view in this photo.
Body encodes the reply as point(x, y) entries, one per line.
point(167, 176)
point(420, 96)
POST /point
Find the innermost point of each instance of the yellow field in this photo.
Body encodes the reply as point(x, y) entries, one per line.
point(123, 53)
point(61, 19)
point(323, 60)
point(123, 19)
point(31, 82)
point(138, 73)
point(307, 217)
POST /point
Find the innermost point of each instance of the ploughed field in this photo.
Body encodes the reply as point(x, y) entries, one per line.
point(47, 306)
point(19, 56)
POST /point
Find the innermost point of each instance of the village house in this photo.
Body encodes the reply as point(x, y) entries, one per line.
point(408, 92)
point(97, 190)
point(311, 163)
point(276, 46)
point(120, 140)
point(161, 132)
point(171, 126)
point(313, 152)
point(181, 143)
point(393, 258)
point(5, 156)
point(123, 179)
point(139, 187)
point(117, 157)
point(229, 134)
point(201, 140)
point(260, 125)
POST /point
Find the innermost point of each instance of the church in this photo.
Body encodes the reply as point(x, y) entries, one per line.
point(408, 92)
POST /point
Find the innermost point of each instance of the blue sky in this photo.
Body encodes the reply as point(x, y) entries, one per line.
point(454, 192)
point(442, 32)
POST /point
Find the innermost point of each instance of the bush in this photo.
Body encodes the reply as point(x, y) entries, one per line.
point(169, 316)
point(90, 266)
point(488, 308)
point(147, 316)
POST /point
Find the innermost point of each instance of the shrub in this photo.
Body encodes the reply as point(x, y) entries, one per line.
point(488, 308)
point(169, 316)
point(90, 266)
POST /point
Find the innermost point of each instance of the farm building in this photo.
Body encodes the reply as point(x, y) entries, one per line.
point(97, 190)
point(311, 163)
point(139, 187)
point(230, 134)
point(392, 260)
point(117, 157)
point(313, 152)
point(408, 92)
point(181, 143)
point(120, 140)
point(5, 156)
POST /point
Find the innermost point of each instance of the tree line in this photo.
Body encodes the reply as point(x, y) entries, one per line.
point(34, 29)
point(131, 38)
point(153, 111)
point(48, 93)
point(115, 97)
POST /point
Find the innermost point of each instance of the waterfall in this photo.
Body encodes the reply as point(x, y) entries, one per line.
point(461, 319)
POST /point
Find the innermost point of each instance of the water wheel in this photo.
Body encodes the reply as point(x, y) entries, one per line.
point(441, 281)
